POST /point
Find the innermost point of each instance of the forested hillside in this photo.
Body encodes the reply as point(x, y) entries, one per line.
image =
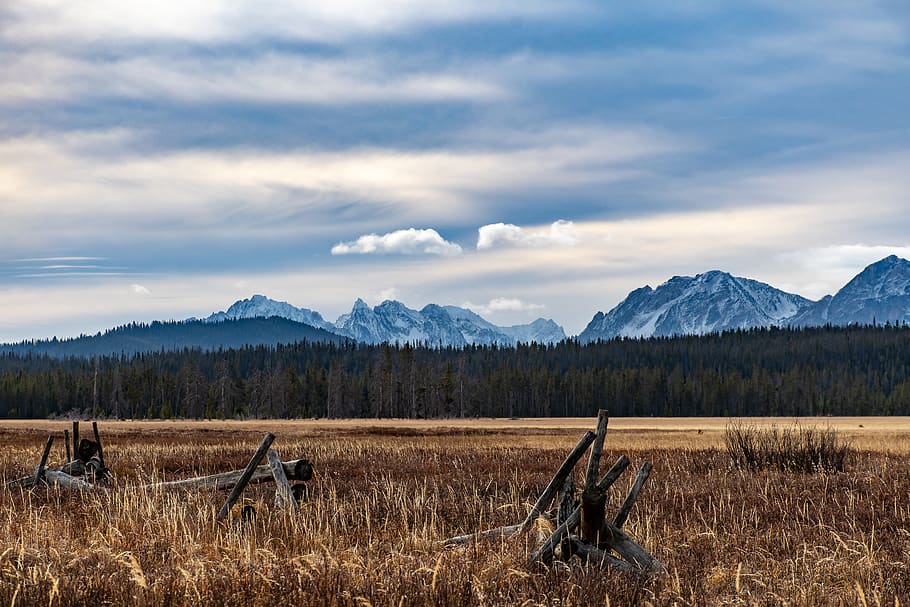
point(177, 335)
point(823, 371)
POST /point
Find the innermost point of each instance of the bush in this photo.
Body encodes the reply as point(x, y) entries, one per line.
point(790, 449)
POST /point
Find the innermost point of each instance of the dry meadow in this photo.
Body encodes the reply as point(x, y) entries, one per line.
point(386, 492)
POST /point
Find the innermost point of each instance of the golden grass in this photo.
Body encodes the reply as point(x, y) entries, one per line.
point(891, 434)
point(386, 493)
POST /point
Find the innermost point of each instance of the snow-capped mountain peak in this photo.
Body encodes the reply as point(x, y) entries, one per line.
point(260, 306)
point(393, 322)
point(685, 305)
point(880, 293)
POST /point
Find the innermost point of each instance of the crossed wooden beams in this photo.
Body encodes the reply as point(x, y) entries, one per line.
point(582, 527)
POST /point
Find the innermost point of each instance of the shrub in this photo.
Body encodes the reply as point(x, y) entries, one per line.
point(796, 449)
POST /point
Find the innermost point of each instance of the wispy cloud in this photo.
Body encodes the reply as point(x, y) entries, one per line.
point(400, 242)
point(140, 290)
point(503, 304)
point(271, 77)
point(560, 233)
point(207, 21)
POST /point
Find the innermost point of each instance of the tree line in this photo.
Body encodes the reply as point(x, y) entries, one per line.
point(786, 372)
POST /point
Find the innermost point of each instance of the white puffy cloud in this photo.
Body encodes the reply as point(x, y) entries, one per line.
point(140, 290)
point(400, 242)
point(560, 233)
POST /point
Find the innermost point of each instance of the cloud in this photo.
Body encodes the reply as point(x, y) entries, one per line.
point(140, 290)
point(400, 242)
point(503, 304)
point(247, 192)
point(272, 77)
point(211, 22)
point(560, 233)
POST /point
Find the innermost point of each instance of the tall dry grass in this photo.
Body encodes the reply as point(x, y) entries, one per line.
point(379, 504)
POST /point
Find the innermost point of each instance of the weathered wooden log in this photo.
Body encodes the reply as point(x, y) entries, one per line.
point(284, 495)
point(617, 540)
point(603, 418)
point(246, 475)
point(39, 471)
point(66, 444)
point(57, 478)
point(567, 505)
point(490, 534)
point(564, 470)
point(98, 441)
point(297, 470)
point(591, 554)
point(544, 553)
point(620, 519)
point(594, 500)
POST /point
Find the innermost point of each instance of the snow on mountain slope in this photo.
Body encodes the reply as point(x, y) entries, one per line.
point(880, 293)
point(684, 305)
point(393, 322)
point(260, 306)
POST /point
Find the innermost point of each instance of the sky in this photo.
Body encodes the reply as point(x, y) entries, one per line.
point(161, 160)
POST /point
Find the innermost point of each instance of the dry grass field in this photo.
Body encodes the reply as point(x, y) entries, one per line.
point(385, 493)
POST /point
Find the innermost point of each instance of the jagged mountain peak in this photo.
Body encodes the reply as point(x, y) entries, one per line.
point(393, 322)
point(260, 306)
point(878, 294)
point(704, 303)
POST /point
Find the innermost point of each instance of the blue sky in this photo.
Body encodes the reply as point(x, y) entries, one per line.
point(162, 160)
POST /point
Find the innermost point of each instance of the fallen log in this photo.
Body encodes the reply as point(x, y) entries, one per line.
point(616, 539)
point(297, 470)
point(56, 478)
point(489, 534)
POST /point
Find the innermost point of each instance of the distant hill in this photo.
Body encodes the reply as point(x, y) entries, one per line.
point(168, 336)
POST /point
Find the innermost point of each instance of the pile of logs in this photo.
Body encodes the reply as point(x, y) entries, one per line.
point(87, 471)
point(581, 526)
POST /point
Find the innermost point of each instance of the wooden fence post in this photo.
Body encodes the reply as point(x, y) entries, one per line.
point(39, 472)
point(245, 477)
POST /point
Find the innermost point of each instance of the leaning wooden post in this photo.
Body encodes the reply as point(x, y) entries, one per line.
point(594, 501)
point(98, 440)
point(66, 443)
point(284, 495)
point(76, 438)
point(245, 477)
point(556, 482)
point(626, 507)
point(39, 473)
point(603, 418)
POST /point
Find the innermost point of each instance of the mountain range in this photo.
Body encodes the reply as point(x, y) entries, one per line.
point(717, 301)
point(684, 305)
point(393, 322)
